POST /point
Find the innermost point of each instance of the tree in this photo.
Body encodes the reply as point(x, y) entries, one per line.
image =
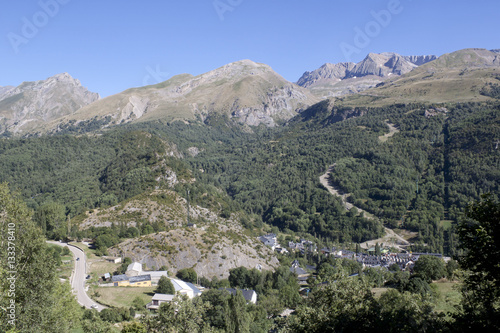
point(123, 267)
point(181, 315)
point(42, 303)
point(134, 327)
point(138, 304)
point(52, 219)
point(237, 319)
point(451, 268)
point(343, 304)
point(165, 286)
point(406, 312)
point(92, 323)
point(217, 313)
point(187, 274)
point(430, 268)
point(479, 235)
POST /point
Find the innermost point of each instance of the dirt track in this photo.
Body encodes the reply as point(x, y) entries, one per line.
point(390, 238)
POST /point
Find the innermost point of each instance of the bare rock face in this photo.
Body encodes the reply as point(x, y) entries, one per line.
point(420, 60)
point(212, 246)
point(32, 103)
point(326, 72)
point(332, 80)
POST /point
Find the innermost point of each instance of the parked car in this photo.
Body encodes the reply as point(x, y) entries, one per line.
point(93, 306)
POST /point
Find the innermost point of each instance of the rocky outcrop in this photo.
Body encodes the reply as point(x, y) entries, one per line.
point(420, 60)
point(32, 103)
point(211, 250)
point(212, 246)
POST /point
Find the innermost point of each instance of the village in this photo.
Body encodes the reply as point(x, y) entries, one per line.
point(375, 257)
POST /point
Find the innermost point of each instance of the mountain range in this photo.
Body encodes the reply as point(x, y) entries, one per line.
point(249, 93)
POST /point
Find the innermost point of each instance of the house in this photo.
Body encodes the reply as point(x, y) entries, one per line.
point(196, 291)
point(158, 299)
point(297, 269)
point(185, 288)
point(269, 240)
point(249, 295)
point(131, 281)
point(325, 251)
point(134, 269)
point(302, 246)
point(107, 276)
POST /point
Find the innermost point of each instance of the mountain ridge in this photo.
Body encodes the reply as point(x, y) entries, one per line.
point(343, 78)
point(248, 92)
point(454, 77)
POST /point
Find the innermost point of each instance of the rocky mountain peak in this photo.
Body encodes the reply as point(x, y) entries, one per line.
point(30, 103)
point(326, 72)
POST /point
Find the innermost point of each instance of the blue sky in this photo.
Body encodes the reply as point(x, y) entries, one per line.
point(112, 45)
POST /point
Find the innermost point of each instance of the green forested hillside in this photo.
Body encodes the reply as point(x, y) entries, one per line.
point(80, 172)
point(449, 154)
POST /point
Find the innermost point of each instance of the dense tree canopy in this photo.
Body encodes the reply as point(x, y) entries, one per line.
point(480, 239)
point(28, 282)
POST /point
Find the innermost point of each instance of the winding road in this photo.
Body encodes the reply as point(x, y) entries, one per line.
point(390, 236)
point(78, 277)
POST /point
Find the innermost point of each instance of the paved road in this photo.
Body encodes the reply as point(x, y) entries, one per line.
point(78, 277)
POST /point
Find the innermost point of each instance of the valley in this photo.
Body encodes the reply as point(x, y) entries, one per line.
point(357, 170)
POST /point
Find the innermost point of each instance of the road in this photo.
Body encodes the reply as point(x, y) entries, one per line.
point(390, 236)
point(78, 277)
point(324, 180)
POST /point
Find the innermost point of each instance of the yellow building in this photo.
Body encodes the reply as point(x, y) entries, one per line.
point(131, 281)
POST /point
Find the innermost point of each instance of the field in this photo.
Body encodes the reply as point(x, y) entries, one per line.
point(98, 267)
point(122, 296)
point(447, 297)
